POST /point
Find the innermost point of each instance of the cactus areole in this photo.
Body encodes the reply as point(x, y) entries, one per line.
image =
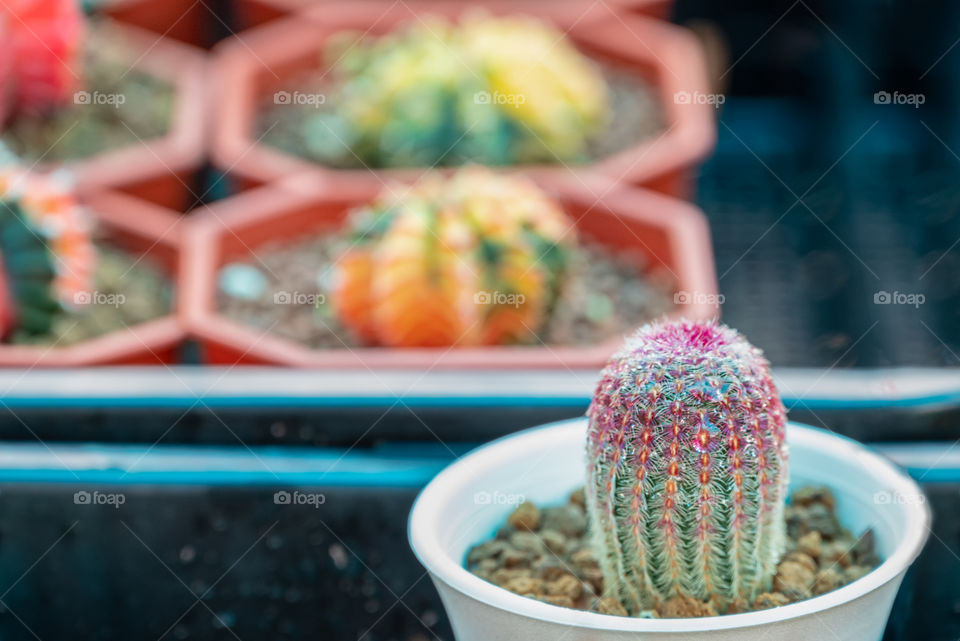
point(687, 468)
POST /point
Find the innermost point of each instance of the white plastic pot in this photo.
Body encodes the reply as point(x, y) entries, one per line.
point(466, 503)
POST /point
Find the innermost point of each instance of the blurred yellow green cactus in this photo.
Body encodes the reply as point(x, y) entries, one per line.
point(494, 90)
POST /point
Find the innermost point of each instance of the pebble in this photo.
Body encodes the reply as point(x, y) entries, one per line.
point(504, 576)
point(242, 281)
point(794, 580)
point(550, 567)
point(569, 520)
point(579, 498)
point(584, 557)
point(683, 607)
point(557, 599)
point(525, 517)
point(837, 553)
point(527, 542)
point(514, 558)
point(769, 600)
point(525, 585)
point(855, 572)
point(566, 585)
point(821, 518)
point(809, 544)
point(863, 549)
point(827, 580)
point(593, 576)
point(609, 605)
point(806, 496)
point(555, 541)
point(486, 550)
point(803, 559)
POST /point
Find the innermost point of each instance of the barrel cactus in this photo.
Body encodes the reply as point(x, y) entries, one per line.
point(687, 468)
point(476, 259)
point(46, 251)
point(43, 43)
point(493, 90)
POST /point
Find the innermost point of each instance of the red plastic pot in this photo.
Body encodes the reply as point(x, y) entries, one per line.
point(673, 236)
point(141, 228)
point(670, 58)
point(159, 169)
point(250, 13)
point(185, 20)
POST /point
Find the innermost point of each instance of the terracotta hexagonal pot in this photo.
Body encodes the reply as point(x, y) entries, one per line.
point(186, 20)
point(141, 228)
point(257, 63)
point(250, 13)
point(160, 168)
point(672, 234)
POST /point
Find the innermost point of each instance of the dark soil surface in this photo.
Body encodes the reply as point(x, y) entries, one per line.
point(606, 296)
point(545, 553)
point(636, 116)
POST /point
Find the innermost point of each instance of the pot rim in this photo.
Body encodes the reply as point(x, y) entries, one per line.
point(426, 546)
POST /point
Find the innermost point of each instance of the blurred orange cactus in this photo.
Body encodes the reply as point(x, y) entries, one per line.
point(477, 259)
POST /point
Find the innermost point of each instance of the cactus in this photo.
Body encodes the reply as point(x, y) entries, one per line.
point(687, 468)
point(491, 90)
point(46, 251)
point(476, 259)
point(44, 43)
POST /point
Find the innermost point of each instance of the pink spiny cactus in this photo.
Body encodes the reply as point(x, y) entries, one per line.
point(687, 468)
point(43, 40)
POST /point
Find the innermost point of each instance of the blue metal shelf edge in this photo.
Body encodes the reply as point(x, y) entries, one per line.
point(385, 466)
point(254, 387)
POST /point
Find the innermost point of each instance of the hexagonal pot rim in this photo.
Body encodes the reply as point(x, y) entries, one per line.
point(665, 162)
point(182, 20)
point(468, 598)
point(182, 147)
point(689, 238)
point(248, 9)
point(141, 343)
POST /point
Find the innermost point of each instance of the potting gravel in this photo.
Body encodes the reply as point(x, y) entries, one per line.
point(606, 295)
point(125, 106)
point(546, 554)
point(635, 116)
point(127, 291)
